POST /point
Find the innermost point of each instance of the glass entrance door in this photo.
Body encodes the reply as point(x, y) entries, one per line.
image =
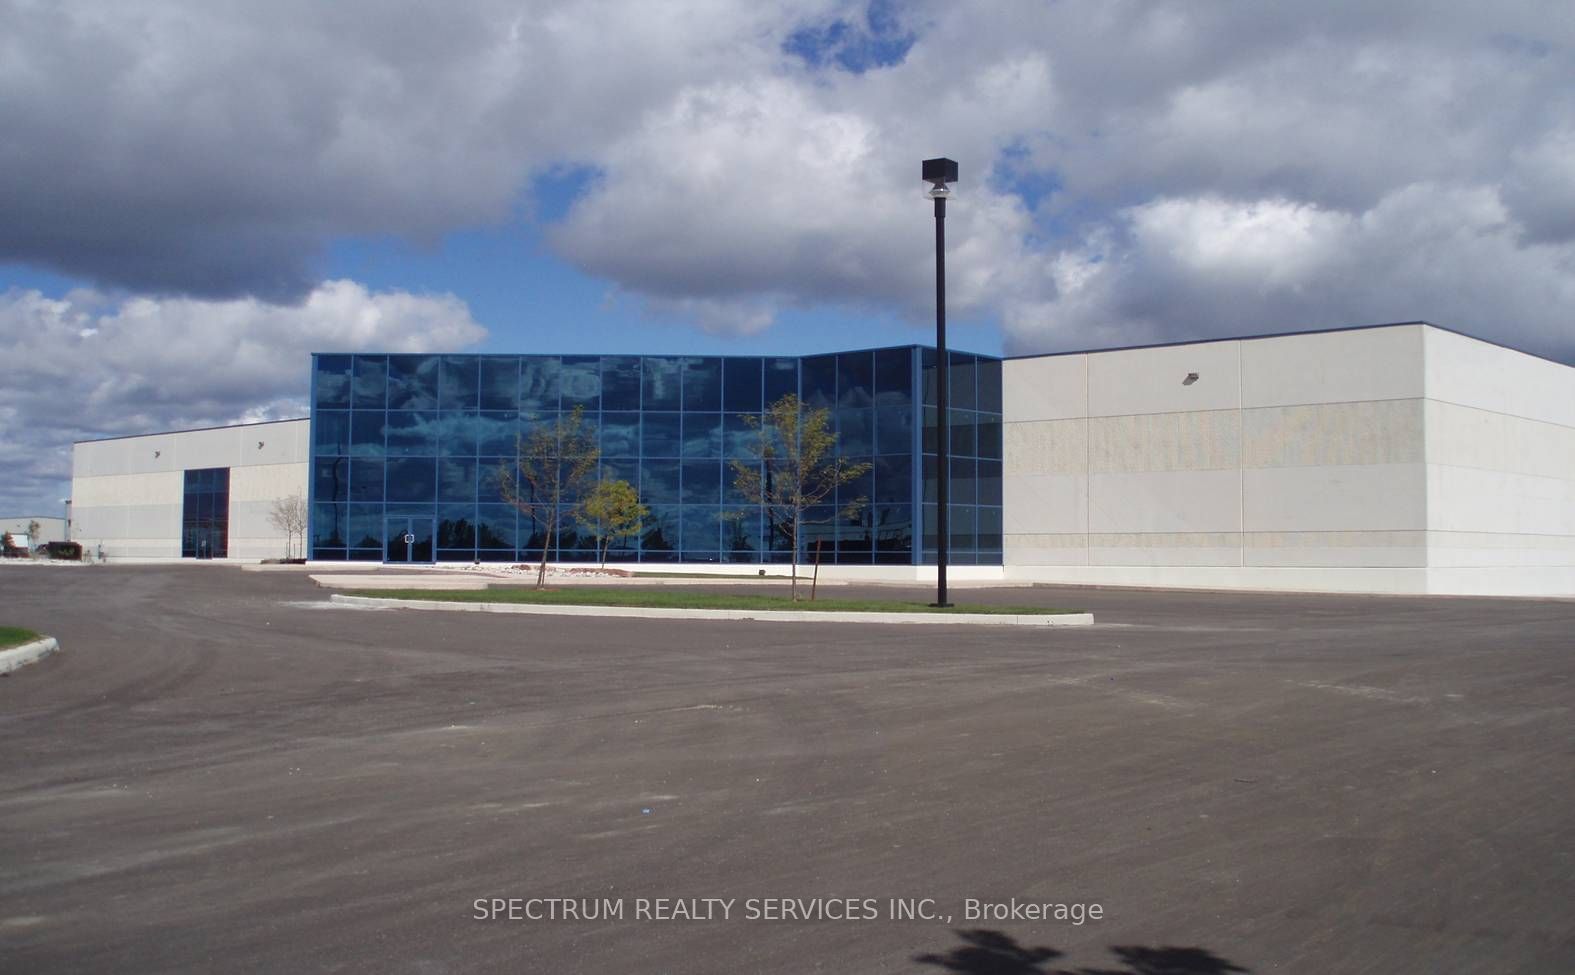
point(408, 539)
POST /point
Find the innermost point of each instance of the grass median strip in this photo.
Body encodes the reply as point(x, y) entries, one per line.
point(15, 636)
point(669, 599)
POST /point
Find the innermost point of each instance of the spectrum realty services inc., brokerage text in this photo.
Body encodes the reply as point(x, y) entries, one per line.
point(967, 909)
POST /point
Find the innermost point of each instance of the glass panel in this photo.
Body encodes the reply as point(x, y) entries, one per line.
point(620, 383)
point(662, 435)
point(330, 432)
point(412, 434)
point(856, 379)
point(894, 377)
point(412, 479)
point(412, 382)
point(703, 384)
point(931, 429)
point(893, 479)
point(894, 430)
point(930, 484)
point(497, 432)
point(489, 472)
point(859, 489)
point(964, 487)
point(781, 379)
point(495, 526)
point(963, 394)
point(964, 442)
point(730, 491)
point(820, 381)
point(500, 382)
point(366, 481)
point(461, 383)
point(741, 385)
point(456, 527)
point(961, 527)
point(366, 525)
point(989, 436)
point(332, 376)
point(989, 482)
point(702, 434)
point(855, 431)
point(989, 529)
point(739, 439)
point(456, 479)
point(702, 482)
point(661, 384)
point(331, 479)
point(989, 385)
point(894, 529)
point(328, 525)
point(620, 434)
point(741, 529)
point(661, 532)
point(582, 382)
point(659, 482)
point(366, 433)
point(371, 382)
point(539, 382)
point(626, 470)
point(927, 375)
point(702, 530)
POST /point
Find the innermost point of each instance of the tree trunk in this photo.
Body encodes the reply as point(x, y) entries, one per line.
point(541, 573)
point(794, 567)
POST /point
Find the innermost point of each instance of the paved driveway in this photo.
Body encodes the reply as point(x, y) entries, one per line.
point(218, 775)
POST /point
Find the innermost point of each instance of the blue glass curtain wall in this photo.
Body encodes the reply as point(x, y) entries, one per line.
point(397, 438)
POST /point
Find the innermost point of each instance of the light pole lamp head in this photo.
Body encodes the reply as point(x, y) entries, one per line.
point(938, 173)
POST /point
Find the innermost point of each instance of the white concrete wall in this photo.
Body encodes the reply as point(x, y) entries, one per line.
point(1500, 469)
point(49, 529)
point(127, 493)
point(1293, 453)
point(1397, 459)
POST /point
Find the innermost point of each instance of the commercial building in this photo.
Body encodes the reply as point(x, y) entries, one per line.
point(1397, 458)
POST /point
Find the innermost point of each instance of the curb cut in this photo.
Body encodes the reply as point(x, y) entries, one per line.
point(27, 653)
point(761, 615)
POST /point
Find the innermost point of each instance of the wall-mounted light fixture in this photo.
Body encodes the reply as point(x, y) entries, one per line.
point(1192, 377)
point(259, 445)
point(155, 453)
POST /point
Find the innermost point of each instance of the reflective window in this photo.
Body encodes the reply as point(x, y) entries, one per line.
point(539, 382)
point(781, 378)
point(702, 435)
point(205, 513)
point(581, 382)
point(702, 384)
point(460, 383)
point(620, 434)
point(620, 383)
point(412, 434)
point(856, 379)
point(702, 482)
point(741, 385)
point(819, 381)
point(500, 383)
point(663, 434)
point(370, 390)
point(331, 377)
point(331, 479)
point(663, 381)
point(894, 377)
point(412, 382)
point(330, 432)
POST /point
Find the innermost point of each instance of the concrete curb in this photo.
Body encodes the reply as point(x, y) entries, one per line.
point(764, 615)
point(27, 653)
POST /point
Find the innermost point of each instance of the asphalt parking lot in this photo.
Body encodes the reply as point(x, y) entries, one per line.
point(217, 774)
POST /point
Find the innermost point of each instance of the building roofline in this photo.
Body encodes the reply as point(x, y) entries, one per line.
point(1279, 335)
point(668, 355)
point(171, 433)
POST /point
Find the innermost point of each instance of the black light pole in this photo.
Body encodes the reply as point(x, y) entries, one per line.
point(938, 173)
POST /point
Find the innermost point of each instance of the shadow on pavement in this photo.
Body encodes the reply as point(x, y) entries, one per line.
point(995, 953)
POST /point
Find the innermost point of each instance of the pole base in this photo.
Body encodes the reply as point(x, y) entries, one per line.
point(942, 605)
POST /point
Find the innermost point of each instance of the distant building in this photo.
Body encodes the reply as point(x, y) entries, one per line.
point(1399, 458)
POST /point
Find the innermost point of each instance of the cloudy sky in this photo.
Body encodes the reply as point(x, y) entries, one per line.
point(194, 195)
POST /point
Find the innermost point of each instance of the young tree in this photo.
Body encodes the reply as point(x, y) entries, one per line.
point(289, 516)
point(556, 462)
point(795, 468)
point(611, 510)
